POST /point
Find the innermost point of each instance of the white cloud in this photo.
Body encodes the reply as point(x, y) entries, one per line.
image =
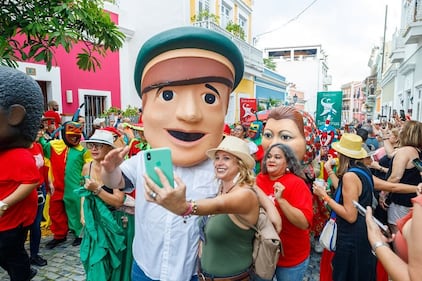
point(347, 30)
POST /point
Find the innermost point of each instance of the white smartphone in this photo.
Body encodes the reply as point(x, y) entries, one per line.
point(161, 158)
point(384, 229)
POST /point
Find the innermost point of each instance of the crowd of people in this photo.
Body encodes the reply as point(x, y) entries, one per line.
point(197, 227)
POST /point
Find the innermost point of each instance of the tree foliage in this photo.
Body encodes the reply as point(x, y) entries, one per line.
point(270, 64)
point(45, 25)
point(235, 29)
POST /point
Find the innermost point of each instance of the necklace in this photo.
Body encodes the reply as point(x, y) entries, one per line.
point(231, 187)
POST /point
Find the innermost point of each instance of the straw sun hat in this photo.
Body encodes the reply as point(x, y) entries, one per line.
point(351, 146)
point(100, 136)
point(235, 146)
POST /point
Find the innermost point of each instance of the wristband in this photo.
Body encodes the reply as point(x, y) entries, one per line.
point(191, 210)
point(97, 191)
point(326, 198)
point(378, 244)
point(188, 210)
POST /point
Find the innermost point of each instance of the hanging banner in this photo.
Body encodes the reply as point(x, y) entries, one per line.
point(329, 104)
point(247, 109)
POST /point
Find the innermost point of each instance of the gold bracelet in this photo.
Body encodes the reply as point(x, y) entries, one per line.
point(194, 207)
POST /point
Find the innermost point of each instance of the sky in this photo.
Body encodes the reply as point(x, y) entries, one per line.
point(347, 30)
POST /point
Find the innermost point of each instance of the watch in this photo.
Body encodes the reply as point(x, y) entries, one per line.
point(3, 206)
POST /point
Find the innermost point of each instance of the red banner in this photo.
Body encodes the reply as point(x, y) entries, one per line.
point(247, 109)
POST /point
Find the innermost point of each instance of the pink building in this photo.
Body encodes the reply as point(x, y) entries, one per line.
point(71, 87)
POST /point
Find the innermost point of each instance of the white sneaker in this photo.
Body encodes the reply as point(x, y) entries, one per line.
point(318, 247)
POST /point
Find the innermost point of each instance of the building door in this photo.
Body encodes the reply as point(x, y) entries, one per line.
point(94, 106)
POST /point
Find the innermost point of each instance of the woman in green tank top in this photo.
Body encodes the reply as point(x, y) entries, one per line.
point(227, 243)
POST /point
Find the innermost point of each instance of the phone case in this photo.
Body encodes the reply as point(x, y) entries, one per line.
point(161, 158)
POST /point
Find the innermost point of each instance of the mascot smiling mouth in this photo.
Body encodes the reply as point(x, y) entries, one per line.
point(189, 137)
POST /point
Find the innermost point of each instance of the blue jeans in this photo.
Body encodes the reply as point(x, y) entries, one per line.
point(35, 230)
point(294, 273)
point(139, 275)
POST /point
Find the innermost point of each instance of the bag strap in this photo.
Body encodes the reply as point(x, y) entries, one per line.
point(333, 214)
point(362, 172)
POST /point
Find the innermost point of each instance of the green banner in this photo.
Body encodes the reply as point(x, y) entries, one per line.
point(329, 104)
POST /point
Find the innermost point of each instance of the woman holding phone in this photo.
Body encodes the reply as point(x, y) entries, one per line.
point(406, 263)
point(227, 241)
point(353, 259)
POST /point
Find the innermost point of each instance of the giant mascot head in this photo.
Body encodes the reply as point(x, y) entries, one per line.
point(21, 108)
point(185, 77)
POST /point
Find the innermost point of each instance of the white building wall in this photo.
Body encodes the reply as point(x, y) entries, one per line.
point(144, 18)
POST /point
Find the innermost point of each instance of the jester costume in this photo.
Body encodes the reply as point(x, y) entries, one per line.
point(66, 157)
point(255, 136)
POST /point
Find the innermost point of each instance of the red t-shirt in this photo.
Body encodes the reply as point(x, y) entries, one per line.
point(38, 154)
point(295, 241)
point(18, 167)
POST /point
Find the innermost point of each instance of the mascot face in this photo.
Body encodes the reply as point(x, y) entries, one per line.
point(188, 119)
point(72, 133)
point(287, 132)
point(185, 76)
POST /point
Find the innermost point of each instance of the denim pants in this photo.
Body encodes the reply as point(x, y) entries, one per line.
point(35, 230)
point(294, 273)
point(139, 275)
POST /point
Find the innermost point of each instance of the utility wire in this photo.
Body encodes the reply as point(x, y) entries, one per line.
point(289, 21)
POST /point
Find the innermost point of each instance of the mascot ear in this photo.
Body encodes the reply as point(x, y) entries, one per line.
point(16, 114)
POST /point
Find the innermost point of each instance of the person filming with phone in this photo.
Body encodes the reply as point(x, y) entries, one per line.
point(405, 264)
point(353, 259)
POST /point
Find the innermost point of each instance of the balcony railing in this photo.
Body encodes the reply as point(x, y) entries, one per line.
point(413, 22)
point(252, 56)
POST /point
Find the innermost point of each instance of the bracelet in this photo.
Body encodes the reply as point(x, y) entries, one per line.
point(188, 210)
point(191, 210)
point(97, 191)
point(378, 244)
point(326, 198)
point(194, 207)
